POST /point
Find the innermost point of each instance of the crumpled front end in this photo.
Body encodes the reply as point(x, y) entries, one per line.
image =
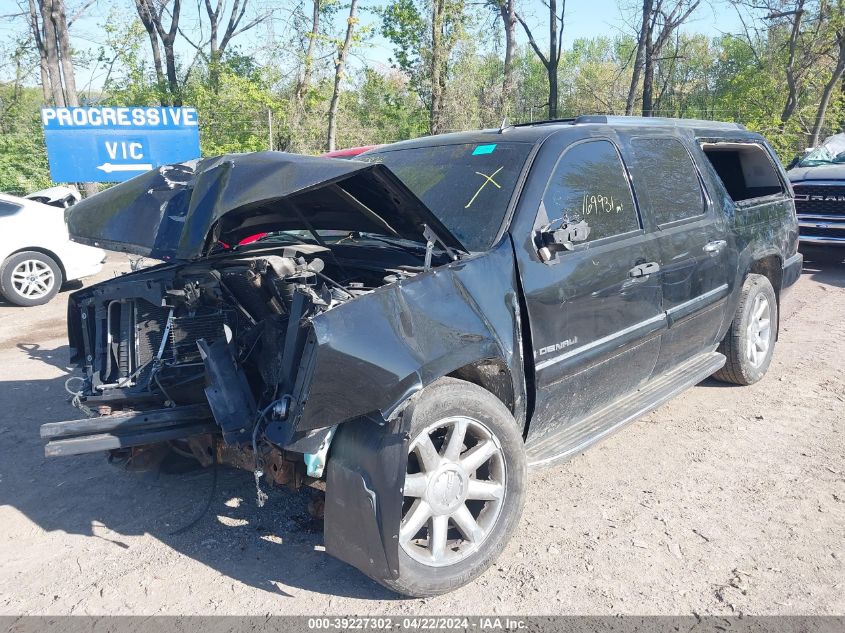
point(294, 362)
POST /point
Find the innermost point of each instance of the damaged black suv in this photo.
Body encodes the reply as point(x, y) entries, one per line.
point(414, 329)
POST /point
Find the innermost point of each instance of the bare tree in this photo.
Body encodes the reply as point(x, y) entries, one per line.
point(551, 62)
point(506, 9)
point(304, 82)
point(152, 13)
point(797, 29)
point(660, 20)
point(146, 15)
point(638, 58)
point(837, 75)
point(49, 26)
point(340, 66)
point(46, 84)
point(234, 27)
point(792, 69)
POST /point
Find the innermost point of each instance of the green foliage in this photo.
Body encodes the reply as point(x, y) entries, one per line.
point(247, 101)
point(23, 161)
point(404, 26)
point(233, 111)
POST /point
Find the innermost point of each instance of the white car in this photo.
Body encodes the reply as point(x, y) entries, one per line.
point(36, 254)
point(63, 197)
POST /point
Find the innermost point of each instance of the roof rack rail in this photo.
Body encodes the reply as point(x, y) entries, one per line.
point(542, 122)
point(643, 120)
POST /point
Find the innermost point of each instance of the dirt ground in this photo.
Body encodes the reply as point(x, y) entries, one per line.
point(726, 500)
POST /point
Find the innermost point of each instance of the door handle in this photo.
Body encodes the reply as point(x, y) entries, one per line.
point(644, 270)
point(715, 246)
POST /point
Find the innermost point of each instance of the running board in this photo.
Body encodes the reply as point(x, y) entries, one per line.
point(576, 437)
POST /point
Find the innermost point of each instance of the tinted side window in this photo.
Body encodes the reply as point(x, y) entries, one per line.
point(589, 184)
point(665, 179)
point(8, 208)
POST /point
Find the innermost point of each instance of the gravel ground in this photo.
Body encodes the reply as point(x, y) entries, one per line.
point(726, 500)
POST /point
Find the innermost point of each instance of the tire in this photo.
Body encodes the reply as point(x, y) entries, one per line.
point(750, 341)
point(821, 255)
point(30, 278)
point(469, 546)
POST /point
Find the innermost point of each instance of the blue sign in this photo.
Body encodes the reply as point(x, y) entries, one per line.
point(113, 144)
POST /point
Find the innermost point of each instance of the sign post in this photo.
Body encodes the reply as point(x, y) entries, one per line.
point(113, 144)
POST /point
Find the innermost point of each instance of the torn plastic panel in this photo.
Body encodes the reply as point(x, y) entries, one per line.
point(364, 495)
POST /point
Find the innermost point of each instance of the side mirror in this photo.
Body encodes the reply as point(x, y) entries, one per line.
point(562, 239)
point(793, 162)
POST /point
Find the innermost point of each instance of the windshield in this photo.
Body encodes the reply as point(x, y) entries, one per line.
point(468, 187)
point(831, 151)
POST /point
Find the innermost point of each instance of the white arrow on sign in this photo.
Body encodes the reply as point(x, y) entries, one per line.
point(110, 167)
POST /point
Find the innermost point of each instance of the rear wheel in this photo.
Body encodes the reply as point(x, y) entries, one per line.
point(464, 488)
point(750, 341)
point(30, 278)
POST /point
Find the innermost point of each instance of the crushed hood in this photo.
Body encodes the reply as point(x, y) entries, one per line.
point(817, 172)
point(179, 211)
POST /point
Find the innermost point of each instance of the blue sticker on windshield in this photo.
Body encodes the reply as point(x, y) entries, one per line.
point(483, 149)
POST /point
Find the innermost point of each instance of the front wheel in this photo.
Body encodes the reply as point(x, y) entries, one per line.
point(750, 341)
point(464, 488)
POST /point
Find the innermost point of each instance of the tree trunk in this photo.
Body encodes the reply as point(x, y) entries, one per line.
point(52, 53)
point(340, 65)
point(305, 81)
point(648, 79)
point(791, 78)
point(168, 39)
point(838, 72)
point(508, 13)
point(59, 61)
point(35, 25)
point(59, 19)
point(638, 58)
point(437, 23)
point(554, 59)
point(149, 25)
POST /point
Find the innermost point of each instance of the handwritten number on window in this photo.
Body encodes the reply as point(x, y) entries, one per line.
point(594, 204)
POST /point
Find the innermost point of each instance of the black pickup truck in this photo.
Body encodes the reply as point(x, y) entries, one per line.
point(818, 180)
point(414, 329)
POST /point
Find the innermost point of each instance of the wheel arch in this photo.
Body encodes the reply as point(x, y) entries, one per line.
point(43, 251)
point(770, 266)
point(493, 375)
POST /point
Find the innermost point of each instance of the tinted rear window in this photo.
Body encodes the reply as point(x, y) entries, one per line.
point(468, 187)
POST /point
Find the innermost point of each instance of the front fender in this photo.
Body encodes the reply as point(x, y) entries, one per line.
point(368, 356)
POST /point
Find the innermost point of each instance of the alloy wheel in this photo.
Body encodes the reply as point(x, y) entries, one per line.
point(454, 491)
point(759, 330)
point(33, 279)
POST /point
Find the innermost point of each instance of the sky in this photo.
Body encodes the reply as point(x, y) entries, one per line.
point(584, 18)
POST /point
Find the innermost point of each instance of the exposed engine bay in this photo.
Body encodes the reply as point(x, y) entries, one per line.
point(188, 350)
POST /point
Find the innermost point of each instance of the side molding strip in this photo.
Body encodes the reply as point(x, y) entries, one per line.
point(659, 318)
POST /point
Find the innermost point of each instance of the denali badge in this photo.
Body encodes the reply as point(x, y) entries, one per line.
point(557, 346)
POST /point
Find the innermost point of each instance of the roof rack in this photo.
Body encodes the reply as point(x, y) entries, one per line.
point(605, 119)
point(655, 120)
point(542, 122)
